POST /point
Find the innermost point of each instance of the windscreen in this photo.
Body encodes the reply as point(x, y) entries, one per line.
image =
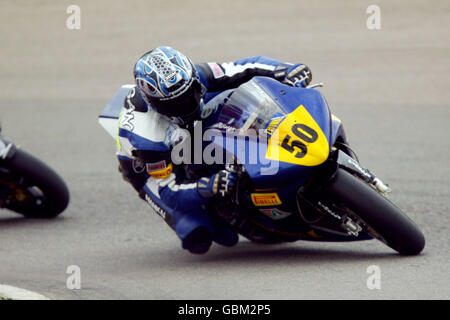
point(248, 107)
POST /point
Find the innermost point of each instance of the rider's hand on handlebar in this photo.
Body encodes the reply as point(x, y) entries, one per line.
point(220, 184)
point(298, 75)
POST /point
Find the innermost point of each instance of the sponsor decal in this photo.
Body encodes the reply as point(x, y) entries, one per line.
point(216, 70)
point(156, 166)
point(155, 207)
point(273, 124)
point(161, 174)
point(275, 214)
point(138, 165)
point(126, 119)
point(161, 212)
point(265, 199)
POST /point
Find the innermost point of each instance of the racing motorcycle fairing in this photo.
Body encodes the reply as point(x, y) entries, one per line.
point(279, 133)
point(299, 135)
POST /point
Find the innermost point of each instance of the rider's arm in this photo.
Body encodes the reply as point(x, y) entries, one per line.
point(223, 76)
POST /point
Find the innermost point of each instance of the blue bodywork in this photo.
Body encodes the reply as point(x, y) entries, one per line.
point(286, 99)
point(239, 112)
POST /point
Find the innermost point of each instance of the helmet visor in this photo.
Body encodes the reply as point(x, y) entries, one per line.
point(186, 106)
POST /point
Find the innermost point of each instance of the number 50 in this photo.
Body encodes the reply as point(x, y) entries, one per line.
point(305, 134)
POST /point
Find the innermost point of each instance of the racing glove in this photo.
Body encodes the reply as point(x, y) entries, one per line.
point(298, 75)
point(220, 184)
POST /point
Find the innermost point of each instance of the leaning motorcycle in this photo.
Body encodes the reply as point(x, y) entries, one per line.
point(298, 178)
point(27, 185)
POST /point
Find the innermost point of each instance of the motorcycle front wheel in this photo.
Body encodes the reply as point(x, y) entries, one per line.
point(30, 187)
point(380, 217)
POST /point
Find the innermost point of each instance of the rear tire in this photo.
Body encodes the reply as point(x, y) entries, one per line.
point(38, 174)
point(398, 231)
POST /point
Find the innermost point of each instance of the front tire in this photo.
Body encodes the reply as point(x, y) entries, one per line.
point(37, 175)
point(396, 229)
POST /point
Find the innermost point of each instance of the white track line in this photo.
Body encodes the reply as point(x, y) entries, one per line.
point(19, 294)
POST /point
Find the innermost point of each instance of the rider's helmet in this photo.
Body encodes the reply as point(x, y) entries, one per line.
point(170, 84)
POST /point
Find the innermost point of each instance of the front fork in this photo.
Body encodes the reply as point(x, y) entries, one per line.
point(351, 165)
point(356, 168)
point(349, 223)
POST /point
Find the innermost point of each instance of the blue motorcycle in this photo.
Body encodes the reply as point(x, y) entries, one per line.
point(298, 179)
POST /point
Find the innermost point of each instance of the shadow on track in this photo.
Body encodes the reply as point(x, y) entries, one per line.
point(300, 252)
point(9, 221)
point(247, 254)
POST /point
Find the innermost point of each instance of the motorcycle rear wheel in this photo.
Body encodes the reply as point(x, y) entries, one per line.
point(34, 174)
point(390, 224)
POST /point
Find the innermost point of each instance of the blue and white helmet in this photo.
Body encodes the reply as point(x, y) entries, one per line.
point(169, 82)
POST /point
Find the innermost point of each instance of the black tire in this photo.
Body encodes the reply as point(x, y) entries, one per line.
point(38, 174)
point(398, 231)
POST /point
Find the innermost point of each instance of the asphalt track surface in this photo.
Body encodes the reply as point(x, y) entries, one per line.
point(389, 86)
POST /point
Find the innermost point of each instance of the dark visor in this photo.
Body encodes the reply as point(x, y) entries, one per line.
point(185, 106)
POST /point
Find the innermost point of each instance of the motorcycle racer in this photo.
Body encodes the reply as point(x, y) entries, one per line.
point(169, 95)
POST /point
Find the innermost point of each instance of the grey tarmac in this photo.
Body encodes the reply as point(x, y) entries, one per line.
point(389, 87)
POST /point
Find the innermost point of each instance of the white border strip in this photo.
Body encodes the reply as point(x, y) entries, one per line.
point(19, 294)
